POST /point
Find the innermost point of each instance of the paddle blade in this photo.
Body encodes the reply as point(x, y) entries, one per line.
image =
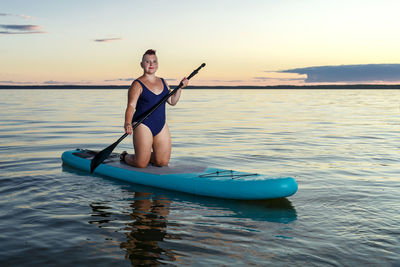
point(101, 156)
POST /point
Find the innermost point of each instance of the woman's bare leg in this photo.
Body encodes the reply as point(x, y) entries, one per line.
point(142, 142)
point(161, 147)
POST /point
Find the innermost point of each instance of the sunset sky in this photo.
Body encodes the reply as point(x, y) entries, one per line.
point(246, 42)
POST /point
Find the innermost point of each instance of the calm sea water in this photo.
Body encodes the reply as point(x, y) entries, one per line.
point(342, 146)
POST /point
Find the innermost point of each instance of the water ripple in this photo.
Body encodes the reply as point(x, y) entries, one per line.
point(341, 146)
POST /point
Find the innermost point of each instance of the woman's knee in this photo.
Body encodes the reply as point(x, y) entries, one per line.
point(161, 162)
point(135, 162)
point(141, 161)
point(141, 164)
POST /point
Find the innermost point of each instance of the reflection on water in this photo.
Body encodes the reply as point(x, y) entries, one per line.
point(148, 233)
point(270, 210)
point(145, 230)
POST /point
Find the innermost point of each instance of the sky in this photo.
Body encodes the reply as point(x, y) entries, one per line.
point(243, 42)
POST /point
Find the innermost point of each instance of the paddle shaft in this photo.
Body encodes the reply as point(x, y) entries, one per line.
point(102, 155)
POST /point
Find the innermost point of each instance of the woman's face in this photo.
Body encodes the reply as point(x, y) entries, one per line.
point(149, 64)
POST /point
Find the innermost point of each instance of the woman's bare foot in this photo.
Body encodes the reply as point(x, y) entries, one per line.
point(123, 155)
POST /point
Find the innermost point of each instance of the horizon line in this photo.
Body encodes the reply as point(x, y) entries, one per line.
point(316, 86)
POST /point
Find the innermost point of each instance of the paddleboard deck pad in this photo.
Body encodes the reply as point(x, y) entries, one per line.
point(188, 178)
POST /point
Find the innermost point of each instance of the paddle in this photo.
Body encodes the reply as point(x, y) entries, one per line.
point(102, 155)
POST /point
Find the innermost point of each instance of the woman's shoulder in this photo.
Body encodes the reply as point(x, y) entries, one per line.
point(163, 81)
point(135, 85)
point(137, 79)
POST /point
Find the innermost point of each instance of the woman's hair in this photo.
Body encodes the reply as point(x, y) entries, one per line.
point(149, 52)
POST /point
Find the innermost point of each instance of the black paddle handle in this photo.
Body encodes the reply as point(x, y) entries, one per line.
point(191, 75)
point(196, 71)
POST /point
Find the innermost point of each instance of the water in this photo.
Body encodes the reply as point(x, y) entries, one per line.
point(342, 146)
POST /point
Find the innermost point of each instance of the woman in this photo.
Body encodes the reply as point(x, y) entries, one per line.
point(152, 133)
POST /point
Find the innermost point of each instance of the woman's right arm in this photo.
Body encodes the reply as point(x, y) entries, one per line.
point(133, 95)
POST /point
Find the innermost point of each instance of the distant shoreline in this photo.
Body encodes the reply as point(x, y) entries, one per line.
point(332, 86)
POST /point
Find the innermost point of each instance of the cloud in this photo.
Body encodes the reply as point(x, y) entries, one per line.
point(120, 80)
point(224, 81)
point(277, 79)
point(14, 82)
point(7, 32)
point(52, 82)
point(20, 29)
point(350, 73)
point(107, 39)
point(21, 16)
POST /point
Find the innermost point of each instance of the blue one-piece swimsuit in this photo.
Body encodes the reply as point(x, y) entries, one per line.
point(146, 101)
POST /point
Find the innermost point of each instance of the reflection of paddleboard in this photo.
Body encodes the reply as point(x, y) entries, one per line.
point(196, 180)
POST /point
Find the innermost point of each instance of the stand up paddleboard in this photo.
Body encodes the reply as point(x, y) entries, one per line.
point(198, 180)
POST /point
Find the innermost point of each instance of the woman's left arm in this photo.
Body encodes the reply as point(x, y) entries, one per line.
point(175, 97)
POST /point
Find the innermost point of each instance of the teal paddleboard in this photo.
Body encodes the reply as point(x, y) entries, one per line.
point(198, 180)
